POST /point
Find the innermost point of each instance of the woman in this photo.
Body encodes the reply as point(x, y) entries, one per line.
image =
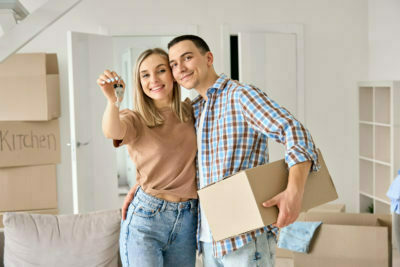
point(159, 228)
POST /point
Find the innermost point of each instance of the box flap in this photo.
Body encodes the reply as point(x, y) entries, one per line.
point(28, 65)
point(51, 64)
point(365, 219)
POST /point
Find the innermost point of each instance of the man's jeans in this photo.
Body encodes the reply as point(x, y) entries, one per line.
point(260, 253)
point(158, 233)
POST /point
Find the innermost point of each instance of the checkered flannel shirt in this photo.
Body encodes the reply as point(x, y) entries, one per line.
point(238, 122)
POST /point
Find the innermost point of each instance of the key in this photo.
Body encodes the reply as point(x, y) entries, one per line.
point(119, 93)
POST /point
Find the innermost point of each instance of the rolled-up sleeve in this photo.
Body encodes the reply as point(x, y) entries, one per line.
point(133, 127)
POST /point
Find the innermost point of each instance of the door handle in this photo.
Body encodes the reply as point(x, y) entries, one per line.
point(79, 144)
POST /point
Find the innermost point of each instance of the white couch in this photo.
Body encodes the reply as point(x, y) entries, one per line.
point(61, 240)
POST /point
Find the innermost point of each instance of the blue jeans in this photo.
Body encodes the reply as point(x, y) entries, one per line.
point(158, 233)
point(260, 253)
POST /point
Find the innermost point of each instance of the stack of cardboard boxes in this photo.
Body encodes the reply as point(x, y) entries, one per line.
point(29, 133)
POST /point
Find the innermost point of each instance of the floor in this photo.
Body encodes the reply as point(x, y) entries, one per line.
point(284, 262)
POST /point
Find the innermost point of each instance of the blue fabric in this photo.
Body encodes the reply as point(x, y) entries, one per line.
point(158, 233)
point(394, 194)
point(297, 236)
point(258, 252)
point(394, 206)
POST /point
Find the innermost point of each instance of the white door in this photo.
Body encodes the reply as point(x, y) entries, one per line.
point(94, 168)
point(268, 61)
point(126, 50)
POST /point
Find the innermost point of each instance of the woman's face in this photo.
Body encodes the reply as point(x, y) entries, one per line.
point(156, 79)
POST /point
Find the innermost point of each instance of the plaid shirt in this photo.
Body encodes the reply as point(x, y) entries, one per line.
point(238, 122)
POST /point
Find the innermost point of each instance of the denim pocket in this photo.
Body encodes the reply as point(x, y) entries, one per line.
point(145, 210)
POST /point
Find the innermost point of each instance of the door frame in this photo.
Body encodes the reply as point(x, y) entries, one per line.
point(295, 29)
point(145, 30)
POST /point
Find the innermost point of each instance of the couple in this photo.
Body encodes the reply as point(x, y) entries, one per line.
point(232, 122)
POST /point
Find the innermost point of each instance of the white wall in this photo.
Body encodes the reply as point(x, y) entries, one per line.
point(384, 39)
point(336, 52)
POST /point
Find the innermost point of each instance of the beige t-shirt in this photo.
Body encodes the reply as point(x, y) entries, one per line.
point(164, 155)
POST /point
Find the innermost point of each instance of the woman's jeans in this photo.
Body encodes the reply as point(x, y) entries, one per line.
point(158, 233)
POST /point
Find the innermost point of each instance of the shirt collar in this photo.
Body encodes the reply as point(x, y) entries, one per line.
point(219, 84)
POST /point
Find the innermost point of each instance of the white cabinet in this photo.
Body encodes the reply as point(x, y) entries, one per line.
point(379, 142)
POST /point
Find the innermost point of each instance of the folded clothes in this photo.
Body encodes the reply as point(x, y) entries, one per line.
point(395, 206)
point(394, 190)
point(394, 194)
point(297, 236)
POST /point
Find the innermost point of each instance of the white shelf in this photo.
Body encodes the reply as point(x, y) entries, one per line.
point(382, 104)
point(382, 201)
point(366, 177)
point(377, 83)
point(383, 180)
point(375, 123)
point(366, 103)
point(379, 142)
point(371, 197)
point(366, 195)
point(365, 203)
point(381, 207)
point(366, 140)
point(375, 161)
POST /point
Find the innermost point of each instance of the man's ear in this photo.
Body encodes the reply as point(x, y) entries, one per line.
point(210, 58)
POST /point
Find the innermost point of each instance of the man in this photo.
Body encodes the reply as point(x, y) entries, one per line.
point(233, 123)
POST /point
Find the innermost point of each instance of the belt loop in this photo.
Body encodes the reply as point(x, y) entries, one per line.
point(192, 205)
point(163, 206)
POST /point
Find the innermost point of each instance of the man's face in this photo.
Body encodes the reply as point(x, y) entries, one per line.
point(189, 66)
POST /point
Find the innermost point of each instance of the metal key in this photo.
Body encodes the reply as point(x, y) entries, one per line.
point(119, 93)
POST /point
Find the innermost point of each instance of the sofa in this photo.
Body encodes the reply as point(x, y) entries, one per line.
point(61, 240)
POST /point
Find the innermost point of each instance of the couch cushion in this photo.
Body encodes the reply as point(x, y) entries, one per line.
point(62, 240)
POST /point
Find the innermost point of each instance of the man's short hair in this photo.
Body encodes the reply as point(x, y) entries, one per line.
point(197, 41)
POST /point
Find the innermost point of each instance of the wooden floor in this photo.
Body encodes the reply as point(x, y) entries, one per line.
point(282, 262)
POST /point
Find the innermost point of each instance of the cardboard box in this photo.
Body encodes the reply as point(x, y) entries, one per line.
point(234, 205)
point(284, 253)
point(29, 143)
point(28, 188)
point(329, 208)
point(50, 211)
point(29, 88)
point(348, 240)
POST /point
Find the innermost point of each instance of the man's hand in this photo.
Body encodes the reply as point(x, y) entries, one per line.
point(289, 201)
point(128, 200)
point(289, 205)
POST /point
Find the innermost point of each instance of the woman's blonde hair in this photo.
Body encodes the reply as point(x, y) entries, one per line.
point(144, 105)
